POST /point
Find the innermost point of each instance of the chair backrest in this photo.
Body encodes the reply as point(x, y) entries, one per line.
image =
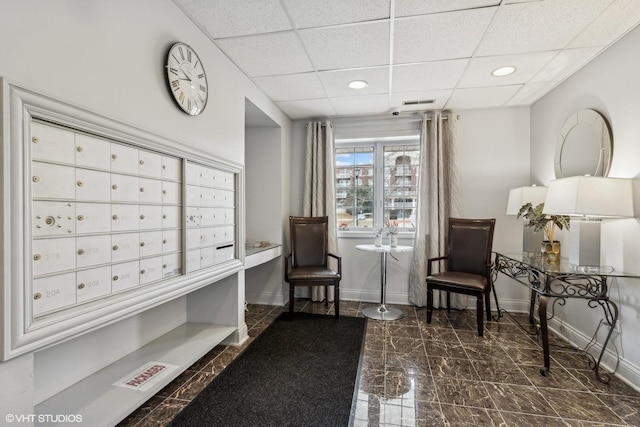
point(309, 240)
point(469, 245)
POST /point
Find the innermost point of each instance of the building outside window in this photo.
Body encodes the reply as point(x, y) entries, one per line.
point(382, 182)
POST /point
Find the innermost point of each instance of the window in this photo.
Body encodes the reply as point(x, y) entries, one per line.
point(377, 181)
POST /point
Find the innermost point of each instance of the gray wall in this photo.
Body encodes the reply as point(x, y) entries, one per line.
point(609, 84)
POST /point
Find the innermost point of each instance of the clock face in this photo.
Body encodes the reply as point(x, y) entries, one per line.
point(187, 79)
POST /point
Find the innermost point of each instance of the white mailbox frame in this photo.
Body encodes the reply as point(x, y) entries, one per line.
point(23, 332)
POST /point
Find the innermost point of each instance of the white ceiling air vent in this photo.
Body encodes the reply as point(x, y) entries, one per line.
point(422, 102)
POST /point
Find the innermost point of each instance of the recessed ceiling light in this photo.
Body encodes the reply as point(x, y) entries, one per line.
point(503, 71)
point(358, 84)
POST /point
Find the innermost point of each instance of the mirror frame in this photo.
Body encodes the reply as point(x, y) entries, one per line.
point(601, 131)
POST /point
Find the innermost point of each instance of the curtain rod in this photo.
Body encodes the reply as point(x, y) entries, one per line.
point(405, 119)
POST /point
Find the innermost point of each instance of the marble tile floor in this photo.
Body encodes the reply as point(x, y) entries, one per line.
point(442, 374)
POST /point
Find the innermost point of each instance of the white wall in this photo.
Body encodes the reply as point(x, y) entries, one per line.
point(494, 157)
point(609, 84)
point(266, 187)
point(108, 57)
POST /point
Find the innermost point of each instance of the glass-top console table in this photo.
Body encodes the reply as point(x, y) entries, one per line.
point(560, 281)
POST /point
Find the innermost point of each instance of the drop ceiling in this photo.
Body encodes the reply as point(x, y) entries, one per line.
point(303, 53)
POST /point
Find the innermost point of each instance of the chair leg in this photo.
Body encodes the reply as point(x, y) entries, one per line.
point(429, 304)
point(448, 302)
point(291, 299)
point(326, 296)
point(480, 316)
point(336, 298)
point(487, 301)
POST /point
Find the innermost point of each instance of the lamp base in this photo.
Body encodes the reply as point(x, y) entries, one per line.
point(531, 241)
point(584, 242)
point(550, 251)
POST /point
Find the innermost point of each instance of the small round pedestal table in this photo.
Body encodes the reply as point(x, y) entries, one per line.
point(383, 312)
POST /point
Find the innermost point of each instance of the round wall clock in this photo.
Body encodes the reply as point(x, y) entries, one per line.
point(187, 79)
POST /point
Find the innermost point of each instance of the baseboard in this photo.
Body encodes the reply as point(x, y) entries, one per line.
point(265, 298)
point(237, 337)
point(626, 371)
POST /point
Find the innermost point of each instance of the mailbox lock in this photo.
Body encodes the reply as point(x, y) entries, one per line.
point(164, 191)
point(141, 216)
point(164, 265)
point(80, 251)
point(38, 295)
point(142, 162)
point(142, 244)
point(164, 241)
point(115, 187)
point(142, 271)
point(36, 179)
point(142, 189)
point(35, 139)
point(115, 217)
point(80, 217)
point(80, 183)
point(164, 216)
point(50, 220)
point(114, 156)
point(37, 257)
point(115, 278)
point(80, 149)
point(81, 286)
point(164, 166)
point(115, 247)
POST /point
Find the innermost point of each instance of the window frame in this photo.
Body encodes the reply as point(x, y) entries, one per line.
point(378, 145)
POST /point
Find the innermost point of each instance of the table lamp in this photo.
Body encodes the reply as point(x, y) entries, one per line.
point(588, 200)
point(517, 198)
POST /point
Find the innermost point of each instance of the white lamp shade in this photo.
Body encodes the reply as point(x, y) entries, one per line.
point(522, 195)
point(590, 196)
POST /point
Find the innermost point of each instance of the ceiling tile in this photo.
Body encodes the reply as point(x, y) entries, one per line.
point(538, 26)
point(422, 7)
point(307, 108)
point(314, 13)
point(466, 99)
point(615, 21)
point(336, 82)
point(268, 54)
point(349, 46)
point(291, 87)
point(530, 93)
point(439, 36)
point(230, 18)
point(565, 63)
point(478, 73)
point(440, 97)
point(367, 104)
point(427, 76)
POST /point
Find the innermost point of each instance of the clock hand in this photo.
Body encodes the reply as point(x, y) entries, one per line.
point(186, 75)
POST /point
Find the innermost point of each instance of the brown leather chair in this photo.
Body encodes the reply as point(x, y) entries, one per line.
point(308, 262)
point(467, 265)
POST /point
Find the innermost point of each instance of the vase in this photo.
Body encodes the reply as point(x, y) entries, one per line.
point(550, 251)
point(378, 241)
point(393, 241)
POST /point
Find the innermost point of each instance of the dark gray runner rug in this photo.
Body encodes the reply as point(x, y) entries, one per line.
point(296, 373)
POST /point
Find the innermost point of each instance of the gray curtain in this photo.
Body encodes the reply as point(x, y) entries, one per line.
point(439, 189)
point(319, 187)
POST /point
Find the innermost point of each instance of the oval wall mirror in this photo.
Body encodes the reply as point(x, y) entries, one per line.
point(584, 146)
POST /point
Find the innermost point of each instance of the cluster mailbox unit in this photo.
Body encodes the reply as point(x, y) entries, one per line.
point(102, 221)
